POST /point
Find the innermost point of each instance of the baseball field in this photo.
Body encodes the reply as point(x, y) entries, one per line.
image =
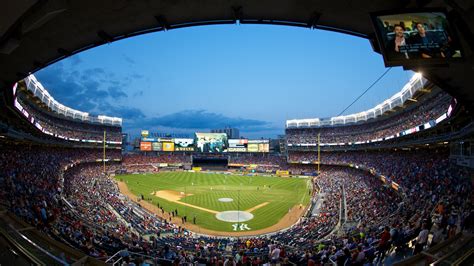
point(215, 202)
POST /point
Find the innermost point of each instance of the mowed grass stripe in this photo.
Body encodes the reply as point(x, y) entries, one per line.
point(281, 193)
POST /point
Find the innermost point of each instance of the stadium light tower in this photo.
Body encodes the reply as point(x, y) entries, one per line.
point(103, 159)
point(319, 152)
point(418, 75)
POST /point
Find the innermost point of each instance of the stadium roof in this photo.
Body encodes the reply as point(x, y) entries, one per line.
point(37, 89)
point(34, 33)
point(415, 84)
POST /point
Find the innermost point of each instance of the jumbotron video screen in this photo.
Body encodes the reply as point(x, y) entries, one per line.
point(204, 142)
point(211, 142)
point(416, 37)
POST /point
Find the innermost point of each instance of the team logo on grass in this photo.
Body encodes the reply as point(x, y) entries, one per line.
point(241, 227)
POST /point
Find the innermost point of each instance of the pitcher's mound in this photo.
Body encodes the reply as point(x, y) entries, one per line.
point(234, 216)
point(225, 199)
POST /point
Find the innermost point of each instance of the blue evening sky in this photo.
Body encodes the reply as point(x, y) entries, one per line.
point(252, 77)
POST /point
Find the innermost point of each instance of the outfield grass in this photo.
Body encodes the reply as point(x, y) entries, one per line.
point(206, 188)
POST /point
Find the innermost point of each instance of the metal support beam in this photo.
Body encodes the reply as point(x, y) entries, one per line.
point(314, 19)
point(64, 52)
point(162, 22)
point(105, 36)
point(238, 13)
point(38, 64)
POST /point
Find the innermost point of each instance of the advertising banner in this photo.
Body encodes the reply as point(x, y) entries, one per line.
point(282, 173)
point(258, 141)
point(168, 146)
point(147, 139)
point(252, 147)
point(184, 144)
point(237, 145)
point(145, 146)
point(263, 147)
point(258, 145)
point(157, 146)
point(235, 149)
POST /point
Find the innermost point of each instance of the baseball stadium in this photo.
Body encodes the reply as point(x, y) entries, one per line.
point(186, 133)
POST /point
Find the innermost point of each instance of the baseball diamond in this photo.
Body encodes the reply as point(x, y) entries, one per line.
point(217, 201)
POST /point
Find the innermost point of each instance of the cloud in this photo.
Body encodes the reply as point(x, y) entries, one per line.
point(92, 72)
point(74, 60)
point(96, 91)
point(116, 92)
point(251, 133)
point(137, 76)
point(201, 119)
point(91, 89)
point(128, 59)
point(189, 120)
point(138, 93)
point(129, 114)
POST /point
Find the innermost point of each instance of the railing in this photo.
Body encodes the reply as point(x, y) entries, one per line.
point(452, 251)
point(118, 258)
point(21, 248)
point(40, 248)
point(32, 251)
point(345, 203)
point(340, 221)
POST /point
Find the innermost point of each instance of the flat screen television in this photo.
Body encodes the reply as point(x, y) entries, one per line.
point(416, 37)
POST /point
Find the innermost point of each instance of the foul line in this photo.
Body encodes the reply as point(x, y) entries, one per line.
point(197, 207)
point(171, 198)
point(257, 207)
point(204, 209)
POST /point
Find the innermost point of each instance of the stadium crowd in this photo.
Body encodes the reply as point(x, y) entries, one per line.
point(256, 158)
point(110, 221)
point(69, 128)
point(313, 228)
point(383, 127)
point(140, 163)
point(32, 181)
point(148, 162)
point(434, 197)
point(265, 162)
point(167, 157)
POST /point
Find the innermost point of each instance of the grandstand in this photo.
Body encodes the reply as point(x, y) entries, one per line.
point(360, 190)
point(418, 106)
point(390, 185)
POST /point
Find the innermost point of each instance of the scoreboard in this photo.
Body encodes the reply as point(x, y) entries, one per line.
point(205, 142)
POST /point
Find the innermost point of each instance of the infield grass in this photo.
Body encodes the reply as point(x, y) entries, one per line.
point(281, 193)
